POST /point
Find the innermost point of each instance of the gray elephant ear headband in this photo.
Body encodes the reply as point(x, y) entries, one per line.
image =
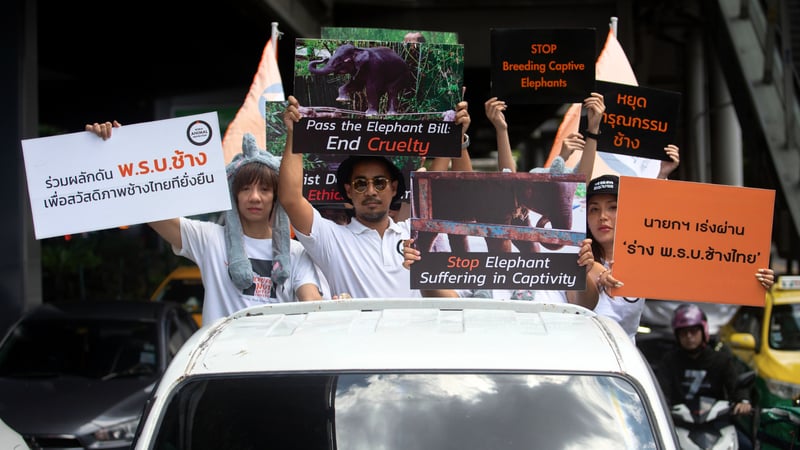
point(239, 267)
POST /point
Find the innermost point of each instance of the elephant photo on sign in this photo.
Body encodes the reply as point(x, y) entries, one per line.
point(366, 75)
point(376, 71)
point(528, 211)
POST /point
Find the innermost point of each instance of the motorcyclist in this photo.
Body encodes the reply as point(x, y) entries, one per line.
point(695, 368)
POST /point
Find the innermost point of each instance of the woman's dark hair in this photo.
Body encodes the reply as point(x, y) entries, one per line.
point(604, 184)
point(597, 249)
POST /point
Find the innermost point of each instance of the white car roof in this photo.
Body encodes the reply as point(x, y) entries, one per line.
point(411, 334)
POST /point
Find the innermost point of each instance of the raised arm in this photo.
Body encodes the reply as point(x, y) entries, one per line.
point(667, 167)
point(440, 164)
point(595, 107)
point(494, 112)
point(571, 143)
point(290, 181)
point(464, 163)
point(170, 229)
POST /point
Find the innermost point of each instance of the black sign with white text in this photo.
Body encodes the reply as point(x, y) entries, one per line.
point(377, 137)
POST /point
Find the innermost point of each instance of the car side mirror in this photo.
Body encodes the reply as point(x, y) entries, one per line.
point(743, 341)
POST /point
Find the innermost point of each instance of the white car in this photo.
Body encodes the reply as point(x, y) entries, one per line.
point(408, 373)
point(10, 439)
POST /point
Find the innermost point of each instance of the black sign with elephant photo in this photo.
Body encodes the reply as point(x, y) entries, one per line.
point(405, 92)
point(497, 230)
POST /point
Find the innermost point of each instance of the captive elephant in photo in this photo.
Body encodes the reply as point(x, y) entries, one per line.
point(499, 204)
point(378, 70)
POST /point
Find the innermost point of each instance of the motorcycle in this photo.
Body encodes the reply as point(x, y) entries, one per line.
point(705, 425)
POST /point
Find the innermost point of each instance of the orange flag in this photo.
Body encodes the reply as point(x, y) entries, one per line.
point(612, 65)
point(251, 117)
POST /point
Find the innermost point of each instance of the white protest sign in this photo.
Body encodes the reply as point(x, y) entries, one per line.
point(145, 172)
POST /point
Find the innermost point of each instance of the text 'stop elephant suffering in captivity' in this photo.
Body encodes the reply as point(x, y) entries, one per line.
point(377, 70)
point(496, 202)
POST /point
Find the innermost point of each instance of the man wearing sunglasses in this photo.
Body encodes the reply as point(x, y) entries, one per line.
point(359, 259)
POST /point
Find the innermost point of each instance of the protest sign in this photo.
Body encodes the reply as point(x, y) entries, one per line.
point(638, 121)
point(404, 83)
point(377, 137)
point(494, 230)
point(690, 241)
point(611, 65)
point(148, 171)
point(536, 66)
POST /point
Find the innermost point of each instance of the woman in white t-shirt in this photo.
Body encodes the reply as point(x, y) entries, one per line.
point(601, 221)
point(251, 258)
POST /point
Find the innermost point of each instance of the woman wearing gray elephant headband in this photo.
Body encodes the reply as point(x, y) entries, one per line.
point(251, 259)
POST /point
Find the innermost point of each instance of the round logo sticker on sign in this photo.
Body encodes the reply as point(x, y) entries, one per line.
point(199, 132)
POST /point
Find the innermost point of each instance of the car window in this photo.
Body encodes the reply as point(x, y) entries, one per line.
point(86, 348)
point(784, 327)
point(180, 328)
point(748, 320)
point(404, 411)
point(187, 292)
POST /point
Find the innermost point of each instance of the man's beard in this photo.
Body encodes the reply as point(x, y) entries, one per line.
point(372, 216)
point(369, 215)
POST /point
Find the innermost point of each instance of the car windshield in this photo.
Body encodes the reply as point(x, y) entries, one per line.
point(403, 411)
point(86, 348)
point(784, 327)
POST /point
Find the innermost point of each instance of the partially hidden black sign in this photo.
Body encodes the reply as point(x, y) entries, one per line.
point(638, 121)
point(538, 66)
point(377, 137)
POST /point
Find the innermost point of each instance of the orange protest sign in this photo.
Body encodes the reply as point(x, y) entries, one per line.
point(692, 241)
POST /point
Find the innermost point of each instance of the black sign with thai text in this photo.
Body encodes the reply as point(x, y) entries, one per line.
point(637, 121)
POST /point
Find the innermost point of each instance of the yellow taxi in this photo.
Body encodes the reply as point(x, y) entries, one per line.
point(183, 285)
point(767, 340)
